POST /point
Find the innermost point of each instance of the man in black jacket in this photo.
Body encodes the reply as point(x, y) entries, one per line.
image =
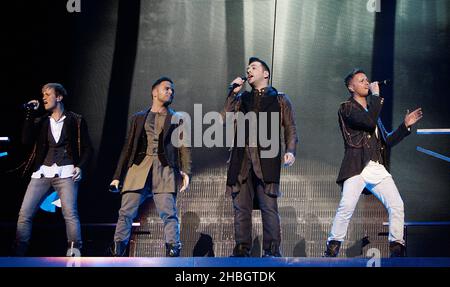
point(152, 165)
point(61, 150)
point(364, 163)
point(253, 176)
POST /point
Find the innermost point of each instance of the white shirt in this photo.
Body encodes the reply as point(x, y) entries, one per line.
point(56, 127)
point(374, 173)
point(64, 171)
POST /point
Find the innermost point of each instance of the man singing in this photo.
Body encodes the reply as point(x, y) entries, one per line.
point(252, 177)
point(364, 164)
point(61, 151)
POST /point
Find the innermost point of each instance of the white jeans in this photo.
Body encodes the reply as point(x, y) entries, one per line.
point(385, 191)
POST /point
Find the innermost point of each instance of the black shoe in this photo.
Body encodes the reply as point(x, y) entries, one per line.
point(241, 250)
point(118, 249)
point(332, 248)
point(20, 248)
point(74, 249)
point(173, 249)
point(274, 251)
point(397, 249)
point(269, 253)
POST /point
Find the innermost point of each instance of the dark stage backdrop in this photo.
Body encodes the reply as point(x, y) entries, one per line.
point(108, 55)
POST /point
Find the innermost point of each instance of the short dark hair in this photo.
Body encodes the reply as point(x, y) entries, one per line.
point(160, 80)
point(350, 75)
point(57, 87)
point(255, 59)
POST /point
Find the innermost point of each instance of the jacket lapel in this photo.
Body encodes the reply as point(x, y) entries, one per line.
point(351, 99)
point(167, 122)
point(381, 130)
point(140, 121)
point(45, 127)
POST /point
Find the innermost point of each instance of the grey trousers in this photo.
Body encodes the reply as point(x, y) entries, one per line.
point(165, 205)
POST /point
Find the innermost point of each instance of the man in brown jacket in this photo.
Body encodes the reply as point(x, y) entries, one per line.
point(253, 176)
point(152, 164)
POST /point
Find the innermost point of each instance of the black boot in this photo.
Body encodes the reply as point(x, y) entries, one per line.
point(173, 249)
point(20, 248)
point(273, 251)
point(397, 249)
point(241, 250)
point(74, 249)
point(332, 248)
point(118, 249)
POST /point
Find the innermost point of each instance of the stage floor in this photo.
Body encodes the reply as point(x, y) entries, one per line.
point(228, 262)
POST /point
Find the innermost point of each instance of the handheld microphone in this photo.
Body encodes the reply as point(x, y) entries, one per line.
point(235, 85)
point(29, 106)
point(384, 82)
point(114, 189)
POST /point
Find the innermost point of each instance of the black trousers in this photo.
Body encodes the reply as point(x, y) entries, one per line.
point(246, 195)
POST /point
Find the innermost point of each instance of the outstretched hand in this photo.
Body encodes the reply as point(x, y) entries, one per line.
point(413, 117)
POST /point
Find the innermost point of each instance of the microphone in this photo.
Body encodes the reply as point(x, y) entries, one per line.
point(29, 106)
point(384, 82)
point(114, 189)
point(235, 85)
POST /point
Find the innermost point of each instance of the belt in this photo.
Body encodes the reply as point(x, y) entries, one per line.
point(153, 151)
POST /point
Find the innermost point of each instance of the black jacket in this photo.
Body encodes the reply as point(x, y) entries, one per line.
point(357, 127)
point(35, 132)
point(135, 147)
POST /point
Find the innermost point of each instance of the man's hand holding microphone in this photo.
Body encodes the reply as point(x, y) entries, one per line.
point(237, 84)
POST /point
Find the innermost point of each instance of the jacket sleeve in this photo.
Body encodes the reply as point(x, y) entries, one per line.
point(396, 136)
point(288, 122)
point(359, 119)
point(231, 103)
point(30, 129)
point(184, 150)
point(185, 159)
point(126, 150)
point(86, 145)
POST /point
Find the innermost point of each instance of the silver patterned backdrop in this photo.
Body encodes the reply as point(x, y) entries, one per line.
point(307, 44)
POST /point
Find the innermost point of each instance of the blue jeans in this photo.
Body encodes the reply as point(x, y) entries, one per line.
point(37, 189)
point(166, 206)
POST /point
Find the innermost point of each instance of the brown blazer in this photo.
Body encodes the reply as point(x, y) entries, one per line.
point(135, 147)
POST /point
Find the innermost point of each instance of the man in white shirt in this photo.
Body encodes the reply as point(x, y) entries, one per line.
point(61, 150)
